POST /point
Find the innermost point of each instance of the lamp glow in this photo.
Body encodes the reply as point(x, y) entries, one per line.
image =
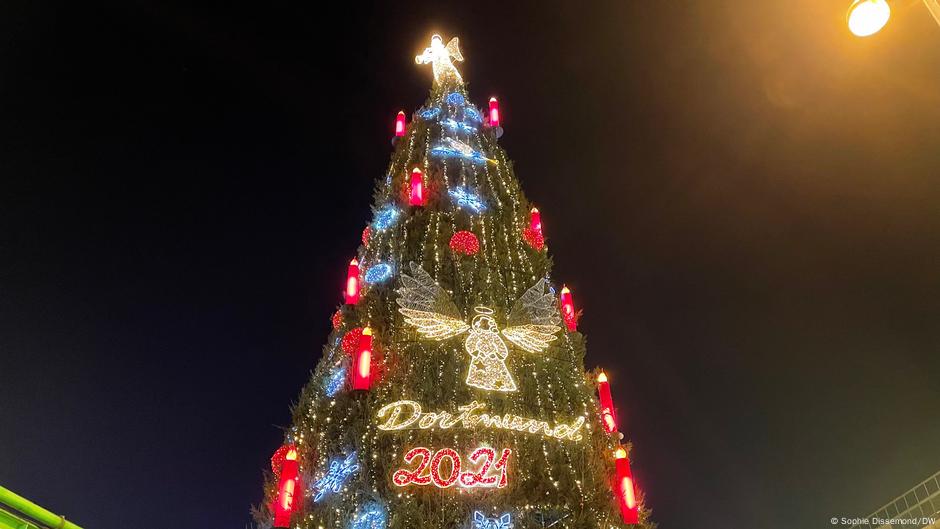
point(867, 17)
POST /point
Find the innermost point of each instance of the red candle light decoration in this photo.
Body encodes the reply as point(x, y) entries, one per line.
point(352, 283)
point(626, 494)
point(416, 196)
point(494, 113)
point(287, 488)
point(535, 221)
point(362, 363)
point(607, 403)
point(567, 309)
point(400, 124)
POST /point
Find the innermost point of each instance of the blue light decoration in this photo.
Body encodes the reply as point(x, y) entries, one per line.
point(386, 217)
point(480, 521)
point(372, 515)
point(335, 382)
point(379, 273)
point(429, 113)
point(465, 198)
point(458, 126)
point(340, 469)
point(472, 114)
point(452, 148)
point(456, 98)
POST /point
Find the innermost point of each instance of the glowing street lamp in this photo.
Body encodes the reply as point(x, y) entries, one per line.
point(867, 17)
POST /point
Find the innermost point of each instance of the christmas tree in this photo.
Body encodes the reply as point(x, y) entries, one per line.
point(452, 391)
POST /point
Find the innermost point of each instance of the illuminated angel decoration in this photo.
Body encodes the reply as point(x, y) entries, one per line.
point(441, 58)
point(532, 324)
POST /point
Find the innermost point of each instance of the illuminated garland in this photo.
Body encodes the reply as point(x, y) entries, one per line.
point(472, 114)
point(458, 126)
point(371, 516)
point(386, 217)
point(467, 199)
point(455, 148)
point(335, 382)
point(407, 414)
point(429, 113)
point(379, 273)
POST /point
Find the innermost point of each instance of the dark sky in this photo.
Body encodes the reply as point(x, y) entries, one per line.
point(744, 199)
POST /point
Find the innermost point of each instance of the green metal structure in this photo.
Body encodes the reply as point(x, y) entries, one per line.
point(16, 512)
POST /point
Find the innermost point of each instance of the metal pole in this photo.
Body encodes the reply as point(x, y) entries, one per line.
point(30, 509)
point(934, 7)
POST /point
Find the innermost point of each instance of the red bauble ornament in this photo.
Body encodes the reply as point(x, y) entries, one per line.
point(465, 243)
point(534, 238)
point(350, 342)
point(366, 233)
point(337, 320)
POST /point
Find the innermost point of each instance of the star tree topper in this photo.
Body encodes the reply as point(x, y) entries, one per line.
point(439, 56)
point(532, 325)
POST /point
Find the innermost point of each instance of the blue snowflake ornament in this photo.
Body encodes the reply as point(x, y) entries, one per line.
point(480, 521)
point(371, 516)
point(340, 470)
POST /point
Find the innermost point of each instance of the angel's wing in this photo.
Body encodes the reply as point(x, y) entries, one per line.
point(533, 320)
point(427, 306)
point(453, 47)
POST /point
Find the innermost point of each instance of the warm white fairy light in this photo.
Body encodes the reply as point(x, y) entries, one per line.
point(408, 414)
point(428, 307)
point(493, 280)
point(441, 58)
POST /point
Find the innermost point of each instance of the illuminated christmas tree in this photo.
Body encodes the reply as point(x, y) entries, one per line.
point(452, 391)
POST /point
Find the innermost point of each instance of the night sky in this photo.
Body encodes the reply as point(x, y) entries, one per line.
point(744, 199)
